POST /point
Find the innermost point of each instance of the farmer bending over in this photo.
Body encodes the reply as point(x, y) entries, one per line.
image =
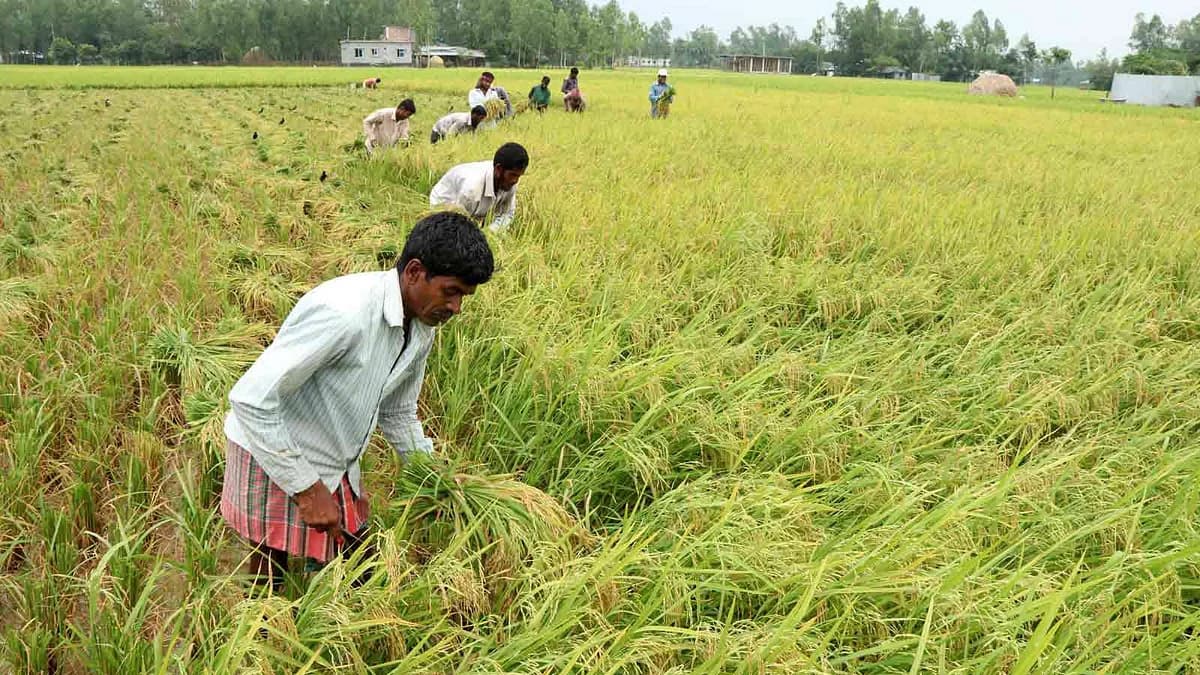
point(350, 355)
point(372, 82)
point(480, 188)
point(539, 95)
point(457, 123)
point(384, 127)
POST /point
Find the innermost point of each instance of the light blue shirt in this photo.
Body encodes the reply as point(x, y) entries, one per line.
point(657, 90)
point(306, 409)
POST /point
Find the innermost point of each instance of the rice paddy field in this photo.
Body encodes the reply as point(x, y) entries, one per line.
point(815, 375)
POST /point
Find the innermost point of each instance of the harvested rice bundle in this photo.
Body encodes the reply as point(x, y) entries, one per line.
point(663, 104)
point(495, 108)
point(497, 513)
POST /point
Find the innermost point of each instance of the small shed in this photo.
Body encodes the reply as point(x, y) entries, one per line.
point(1180, 91)
point(451, 57)
point(747, 63)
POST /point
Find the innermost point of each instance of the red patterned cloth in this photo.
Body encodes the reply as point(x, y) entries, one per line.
point(261, 511)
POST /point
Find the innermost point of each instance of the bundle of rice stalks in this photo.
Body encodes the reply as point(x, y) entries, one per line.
point(664, 102)
point(261, 279)
point(495, 108)
point(509, 524)
point(206, 362)
point(17, 297)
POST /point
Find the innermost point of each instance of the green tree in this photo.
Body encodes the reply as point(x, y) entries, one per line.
point(88, 53)
point(62, 51)
point(1028, 50)
point(1054, 58)
point(1149, 35)
point(1101, 70)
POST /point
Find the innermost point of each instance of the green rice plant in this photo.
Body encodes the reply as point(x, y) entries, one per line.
point(914, 393)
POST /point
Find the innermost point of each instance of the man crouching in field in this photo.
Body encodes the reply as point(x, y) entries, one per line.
point(350, 355)
point(387, 126)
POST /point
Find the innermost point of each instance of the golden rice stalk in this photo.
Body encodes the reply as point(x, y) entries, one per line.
point(495, 108)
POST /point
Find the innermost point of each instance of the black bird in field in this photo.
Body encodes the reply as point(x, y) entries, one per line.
point(254, 136)
point(281, 120)
point(260, 110)
point(107, 103)
point(324, 175)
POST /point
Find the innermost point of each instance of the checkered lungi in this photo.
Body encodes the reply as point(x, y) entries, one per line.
point(262, 512)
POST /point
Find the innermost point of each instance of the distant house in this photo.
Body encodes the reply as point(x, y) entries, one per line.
point(646, 62)
point(925, 77)
point(747, 63)
point(1180, 91)
point(891, 73)
point(451, 57)
point(394, 48)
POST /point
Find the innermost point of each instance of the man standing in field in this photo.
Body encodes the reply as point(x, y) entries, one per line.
point(539, 96)
point(480, 188)
point(572, 97)
point(570, 82)
point(457, 123)
point(351, 355)
point(662, 95)
point(386, 126)
point(483, 93)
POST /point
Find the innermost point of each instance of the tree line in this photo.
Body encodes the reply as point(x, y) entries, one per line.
point(861, 40)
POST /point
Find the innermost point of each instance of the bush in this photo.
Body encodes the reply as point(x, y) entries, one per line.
point(63, 52)
point(88, 53)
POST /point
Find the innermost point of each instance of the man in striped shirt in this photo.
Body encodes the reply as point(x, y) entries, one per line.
point(349, 357)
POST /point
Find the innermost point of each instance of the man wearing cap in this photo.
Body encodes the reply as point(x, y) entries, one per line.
point(660, 92)
point(387, 126)
point(457, 123)
point(480, 188)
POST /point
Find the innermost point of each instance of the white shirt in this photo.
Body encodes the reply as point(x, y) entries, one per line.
point(338, 366)
point(472, 187)
point(453, 123)
point(382, 129)
point(477, 97)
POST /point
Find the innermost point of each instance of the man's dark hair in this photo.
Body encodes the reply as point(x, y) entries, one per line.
point(545, 79)
point(378, 80)
point(488, 74)
point(408, 105)
point(511, 156)
point(479, 111)
point(449, 244)
point(574, 72)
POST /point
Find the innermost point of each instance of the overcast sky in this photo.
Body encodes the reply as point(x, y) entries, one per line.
point(1083, 26)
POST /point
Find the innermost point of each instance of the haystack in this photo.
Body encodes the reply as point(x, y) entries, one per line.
point(993, 84)
point(436, 62)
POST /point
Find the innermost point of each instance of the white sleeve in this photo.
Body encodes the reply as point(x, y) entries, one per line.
point(475, 98)
point(447, 189)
